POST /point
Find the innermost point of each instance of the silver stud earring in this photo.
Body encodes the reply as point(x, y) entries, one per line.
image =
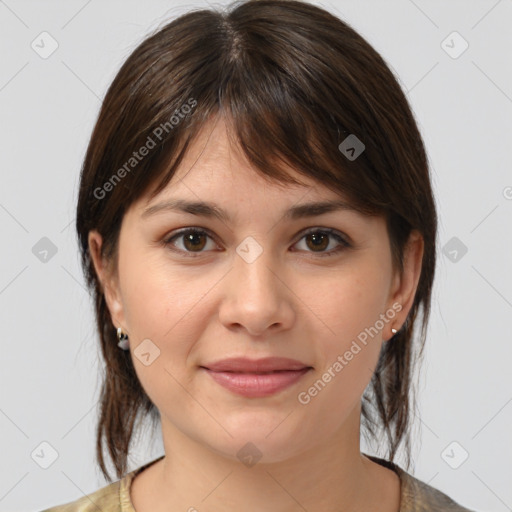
point(394, 331)
point(123, 339)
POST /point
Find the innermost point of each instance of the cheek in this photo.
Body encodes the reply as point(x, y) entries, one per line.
point(168, 307)
point(347, 361)
point(348, 313)
point(350, 306)
point(159, 300)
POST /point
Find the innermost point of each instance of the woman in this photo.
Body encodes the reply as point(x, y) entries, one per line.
point(257, 224)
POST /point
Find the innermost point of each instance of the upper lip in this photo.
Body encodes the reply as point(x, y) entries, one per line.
point(266, 364)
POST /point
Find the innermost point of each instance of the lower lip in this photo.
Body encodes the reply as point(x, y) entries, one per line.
point(257, 385)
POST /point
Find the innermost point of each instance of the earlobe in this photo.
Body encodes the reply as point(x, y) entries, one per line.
point(107, 280)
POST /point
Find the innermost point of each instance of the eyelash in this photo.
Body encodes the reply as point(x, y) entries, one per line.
point(167, 242)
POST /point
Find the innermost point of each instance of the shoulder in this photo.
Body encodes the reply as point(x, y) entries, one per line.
point(417, 496)
point(105, 499)
point(114, 497)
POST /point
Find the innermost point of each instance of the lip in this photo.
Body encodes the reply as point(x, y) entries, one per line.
point(256, 378)
point(257, 385)
point(246, 365)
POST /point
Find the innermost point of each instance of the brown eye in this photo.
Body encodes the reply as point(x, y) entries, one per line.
point(192, 241)
point(319, 240)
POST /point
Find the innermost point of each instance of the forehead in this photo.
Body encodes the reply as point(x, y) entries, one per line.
point(216, 180)
point(214, 168)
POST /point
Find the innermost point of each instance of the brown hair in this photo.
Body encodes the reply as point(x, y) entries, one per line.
point(295, 81)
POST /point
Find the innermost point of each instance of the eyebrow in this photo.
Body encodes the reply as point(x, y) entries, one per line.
point(206, 209)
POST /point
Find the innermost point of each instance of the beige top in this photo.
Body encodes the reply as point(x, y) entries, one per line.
point(415, 495)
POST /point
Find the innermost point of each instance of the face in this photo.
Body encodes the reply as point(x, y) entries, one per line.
point(192, 289)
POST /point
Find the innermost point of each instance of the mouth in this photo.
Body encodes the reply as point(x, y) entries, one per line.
point(265, 365)
point(255, 382)
point(253, 373)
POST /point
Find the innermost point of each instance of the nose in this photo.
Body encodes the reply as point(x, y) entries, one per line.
point(257, 297)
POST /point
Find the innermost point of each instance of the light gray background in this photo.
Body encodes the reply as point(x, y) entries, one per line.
point(49, 354)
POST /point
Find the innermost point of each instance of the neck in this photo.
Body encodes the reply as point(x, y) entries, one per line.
point(331, 474)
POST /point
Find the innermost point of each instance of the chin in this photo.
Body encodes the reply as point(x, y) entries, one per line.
point(262, 439)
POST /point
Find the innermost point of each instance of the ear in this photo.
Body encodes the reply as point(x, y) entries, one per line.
point(404, 286)
point(109, 280)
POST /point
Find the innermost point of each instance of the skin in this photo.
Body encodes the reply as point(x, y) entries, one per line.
point(289, 302)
